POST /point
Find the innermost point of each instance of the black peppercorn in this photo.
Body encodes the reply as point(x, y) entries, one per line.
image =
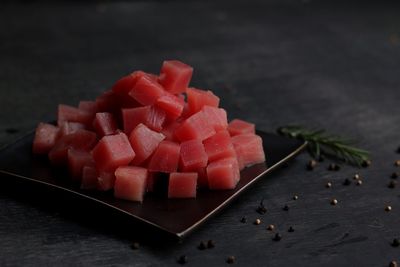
point(334, 201)
point(243, 220)
point(202, 245)
point(261, 209)
point(277, 237)
point(346, 181)
point(366, 163)
point(359, 182)
point(398, 150)
point(210, 244)
point(356, 176)
point(257, 221)
point(285, 208)
point(230, 259)
point(295, 197)
point(333, 167)
point(291, 229)
point(135, 245)
point(388, 208)
point(271, 227)
point(393, 264)
point(397, 163)
point(395, 175)
point(392, 184)
point(183, 259)
point(396, 242)
point(311, 164)
point(328, 185)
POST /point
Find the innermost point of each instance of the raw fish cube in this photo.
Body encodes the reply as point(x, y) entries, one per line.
point(175, 76)
point(223, 174)
point(195, 127)
point(165, 158)
point(219, 146)
point(45, 138)
point(130, 183)
point(182, 185)
point(237, 126)
point(249, 149)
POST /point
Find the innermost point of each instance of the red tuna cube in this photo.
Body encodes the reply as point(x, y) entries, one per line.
point(89, 178)
point(249, 149)
point(237, 126)
point(150, 116)
point(73, 114)
point(165, 158)
point(219, 146)
point(113, 151)
point(195, 127)
point(223, 174)
point(217, 117)
point(124, 85)
point(88, 106)
point(182, 185)
point(175, 76)
point(172, 105)
point(107, 102)
point(104, 124)
point(144, 142)
point(169, 131)
point(130, 183)
point(197, 99)
point(105, 181)
point(202, 180)
point(45, 138)
point(77, 159)
point(70, 128)
point(146, 91)
point(193, 155)
point(79, 140)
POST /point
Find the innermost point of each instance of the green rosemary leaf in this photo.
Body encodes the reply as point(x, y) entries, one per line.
point(321, 143)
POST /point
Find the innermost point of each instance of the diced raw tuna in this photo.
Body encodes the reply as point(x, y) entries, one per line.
point(219, 146)
point(172, 105)
point(169, 131)
point(193, 155)
point(150, 116)
point(105, 181)
point(144, 142)
point(223, 174)
point(45, 138)
point(130, 183)
point(124, 85)
point(69, 128)
point(197, 99)
point(237, 126)
point(73, 114)
point(113, 151)
point(150, 181)
point(182, 185)
point(146, 91)
point(104, 124)
point(77, 159)
point(217, 117)
point(79, 140)
point(195, 127)
point(88, 106)
point(202, 180)
point(165, 158)
point(175, 76)
point(89, 178)
point(107, 102)
point(249, 149)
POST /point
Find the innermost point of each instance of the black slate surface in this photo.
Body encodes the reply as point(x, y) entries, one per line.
point(317, 63)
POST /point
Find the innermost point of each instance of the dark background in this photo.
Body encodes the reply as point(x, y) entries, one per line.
point(332, 65)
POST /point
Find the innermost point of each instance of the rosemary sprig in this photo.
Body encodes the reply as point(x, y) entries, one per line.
point(321, 143)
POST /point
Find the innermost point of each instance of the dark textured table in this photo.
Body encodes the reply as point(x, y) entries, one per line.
point(333, 66)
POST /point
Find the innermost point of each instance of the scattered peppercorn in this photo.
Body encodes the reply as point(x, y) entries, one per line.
point(395, 175)
point(291, 229)
point(257, 221)
point(202, 245)
point(277, 237)
point(392, 184)
point(261, 209)
point(334, 201)
point(286, 207)
point(366, 163)
point(243, 220)
point(359, 182)
point(295, 197)
point(230, 259)
point(396, 242)
point(135, 245)
point(393, 264)
point(210, 244)
point(356, 176)
point(397, 163)
point(398, 150)
point(271, 227)
point(311, 164)
point(333, 167)
point(328, 185)
point(388, 208)
point(346, 181)
point(183, 259)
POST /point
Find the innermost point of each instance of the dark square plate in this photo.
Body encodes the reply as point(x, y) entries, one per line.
point(176, 217)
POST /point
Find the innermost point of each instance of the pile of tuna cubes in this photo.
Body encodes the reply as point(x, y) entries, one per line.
point(148, 125)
